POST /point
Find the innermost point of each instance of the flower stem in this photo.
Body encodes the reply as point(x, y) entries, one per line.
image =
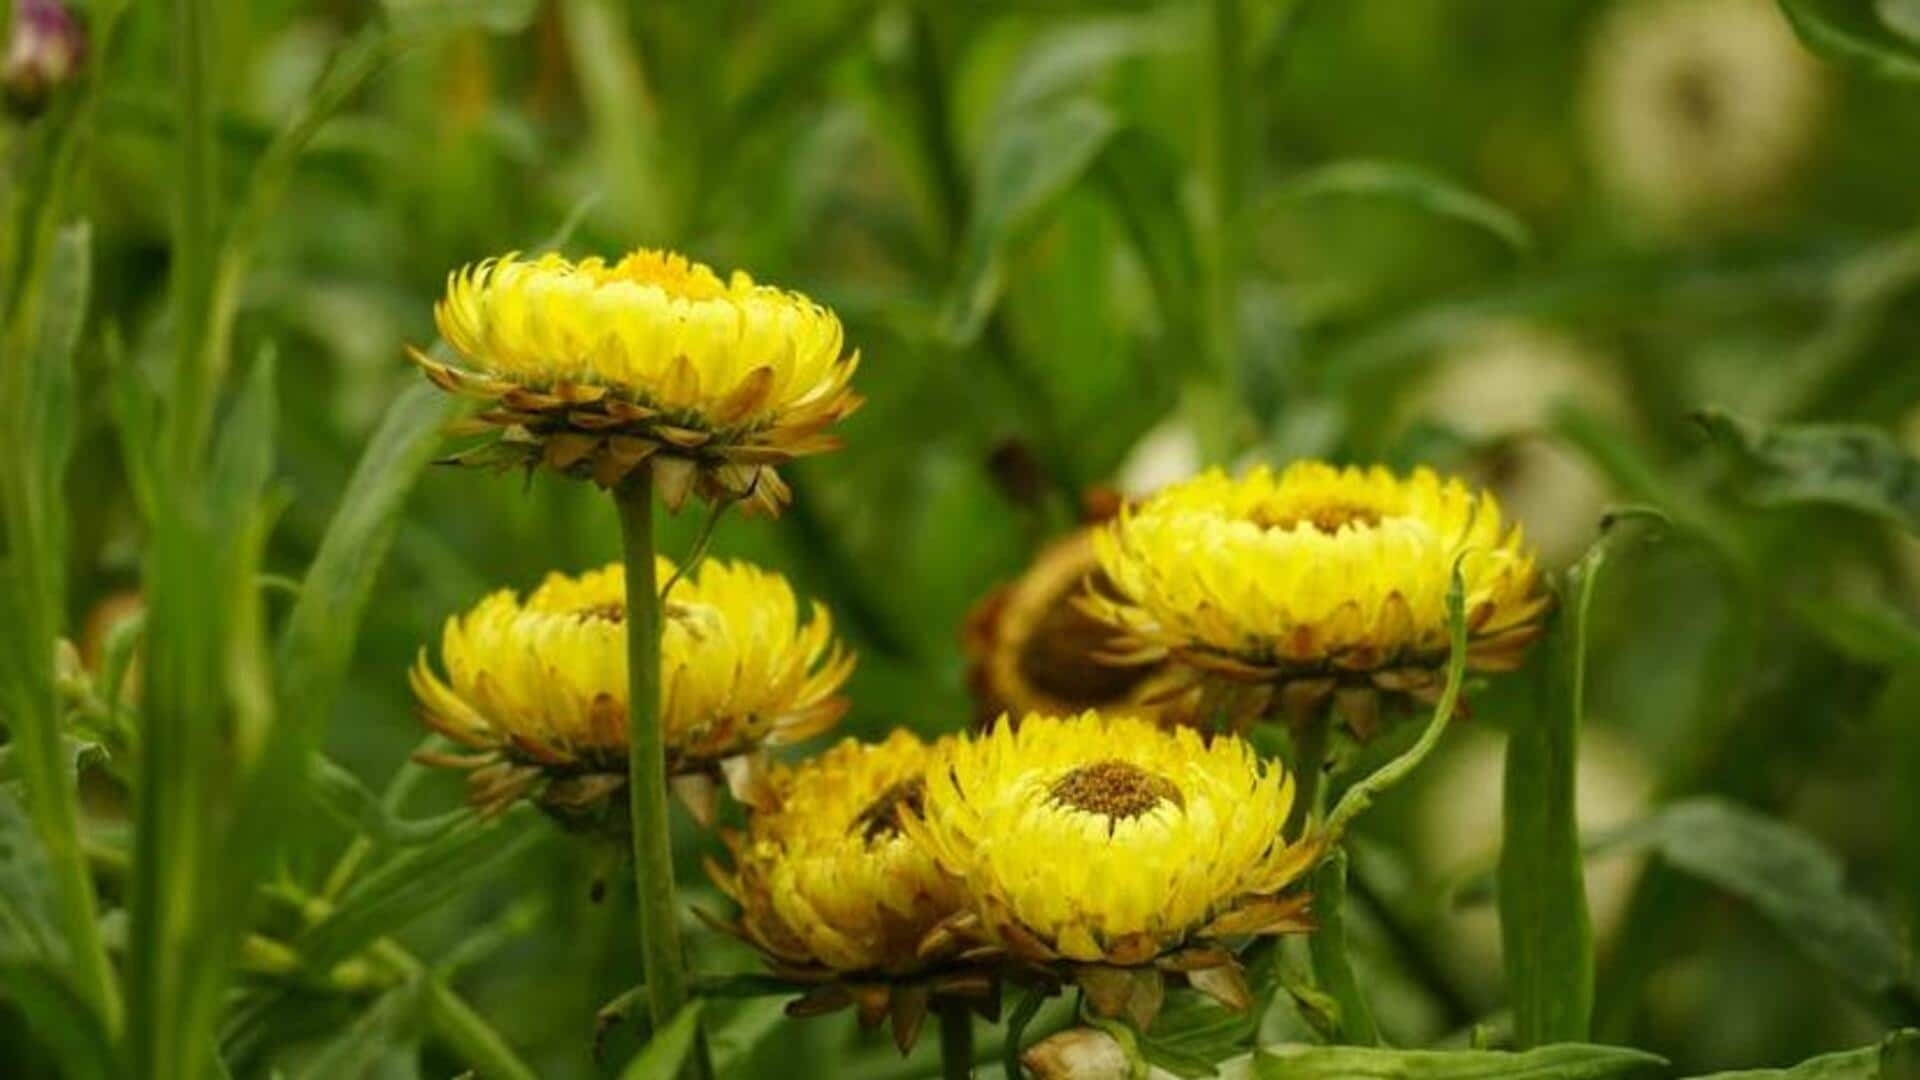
point(956, 1042)
point(661, 957)
point(1310, 741)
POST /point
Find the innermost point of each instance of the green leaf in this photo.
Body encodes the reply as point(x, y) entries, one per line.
point(1406, 183)
point(1017, 1022)
point(1142, 178)
point(1902, 16)
point(1868, 631)
point(1565, 1061)
point(352, 804)
point(1328, 947)
point(1030, 162)
point(317, 644)
point(27, 911)
point(668, 1049)
point(59, 1018)
point(1893, 1058)
point(1545, 930)
point(389, 1027)
point(417, 882)
point(1838, 464)
point(1786, 875)
point(494, 16)
point(1850, 33)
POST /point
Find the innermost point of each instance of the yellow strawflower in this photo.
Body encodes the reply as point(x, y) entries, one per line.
point(1106, 850)
point(538, 686)
point(836, 895)
point(1317, 581)
point(595, 368)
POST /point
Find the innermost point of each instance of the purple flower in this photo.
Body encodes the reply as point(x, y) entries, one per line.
point(44, 50)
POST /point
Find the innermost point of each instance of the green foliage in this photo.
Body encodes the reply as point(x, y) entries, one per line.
point(1877, 38)
point(1564, 1061)
point(1255, 231)
point(1844, 465)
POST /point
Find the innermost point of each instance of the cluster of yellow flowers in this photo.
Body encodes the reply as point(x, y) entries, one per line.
point(1106, 827)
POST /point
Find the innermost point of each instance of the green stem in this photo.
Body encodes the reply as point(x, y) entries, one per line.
point(1230, 156)
point(475, 1041)
point(1328, 947)
point(661, 957)
point(1361, 795)
point(956, 1042)
point(193, 239)
point(1310, 741)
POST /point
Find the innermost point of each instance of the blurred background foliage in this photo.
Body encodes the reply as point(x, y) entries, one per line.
point(1087, 245)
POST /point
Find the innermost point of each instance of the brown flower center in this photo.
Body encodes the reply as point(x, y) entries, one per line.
point(1327, 517)
point(1058, 656)
point(612, 613)
point(1114, 789)
point(881, 819)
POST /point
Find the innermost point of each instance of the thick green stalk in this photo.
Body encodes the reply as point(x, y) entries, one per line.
point(661, 957)
point(1309, 763)
point(193, 239)
point(956, 1042)
point(1229, 167)
point(1328, 947)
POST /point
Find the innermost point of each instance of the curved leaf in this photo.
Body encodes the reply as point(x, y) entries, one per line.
point(1411, 184)
point(1856, 35)
point(1030, 163)
point(1839, 464)
point(1786, 875)
point(668, 1049)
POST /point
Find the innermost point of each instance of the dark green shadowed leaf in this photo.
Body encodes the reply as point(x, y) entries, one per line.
point(58, 1018)
point(1858, 34)
point(1838, 464)
point(1029, 163)
point(1410, 184)
point(1142, 178)
point(342, 796)
point(1786, 875)
point(1567, 1061)
point(1895, 1058)
point(389, 1028)
point(668, 1049)
point(417, 882)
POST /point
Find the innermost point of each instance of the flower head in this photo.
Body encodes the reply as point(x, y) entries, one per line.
point(1107, 850)
point(835, 894)
point(538, 686)
point(1034, 649)
point(1701, 111)
point(1318, 578)
point(45, 48)
point(595, 368)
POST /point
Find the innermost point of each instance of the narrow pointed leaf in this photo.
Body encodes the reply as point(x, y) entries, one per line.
point(1565, 1061)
